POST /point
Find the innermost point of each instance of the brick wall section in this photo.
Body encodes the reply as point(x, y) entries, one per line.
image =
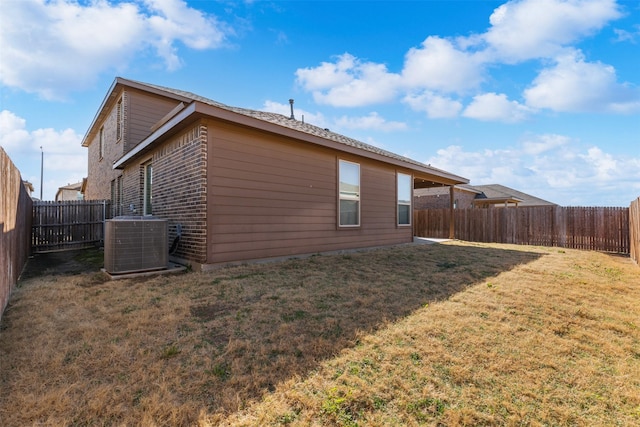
point(16, 210)
point(101, 171)
point(179, 189)
point(464, 198)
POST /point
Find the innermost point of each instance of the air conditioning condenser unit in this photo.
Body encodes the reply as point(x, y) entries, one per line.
point(135, 244)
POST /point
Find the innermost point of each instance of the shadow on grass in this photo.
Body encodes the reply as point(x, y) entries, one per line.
point(69, 262)
point(266, 324)
point(173, 347)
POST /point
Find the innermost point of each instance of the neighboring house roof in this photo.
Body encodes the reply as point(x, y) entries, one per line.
point(497, 191)
point(70, 187)
point(444, 190)
point(28, 186)
point(196, 106)
point(488, 194)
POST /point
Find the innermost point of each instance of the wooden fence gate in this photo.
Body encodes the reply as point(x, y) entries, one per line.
point(68, 225)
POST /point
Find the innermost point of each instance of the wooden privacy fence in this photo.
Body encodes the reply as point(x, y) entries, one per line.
point(590, 228)
point(634, 229)
point(15, 227)
point(68, 225)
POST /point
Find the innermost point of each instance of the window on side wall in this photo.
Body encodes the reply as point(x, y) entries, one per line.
point(101, 142)
point(349, 194)
point(404, 199)
point(120, 120)
point(113, 198)
point(148, 186)
point(119, 195)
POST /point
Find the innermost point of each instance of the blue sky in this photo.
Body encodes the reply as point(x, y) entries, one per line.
point(539, 95)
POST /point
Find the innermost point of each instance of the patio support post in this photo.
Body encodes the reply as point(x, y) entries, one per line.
point(451, 218)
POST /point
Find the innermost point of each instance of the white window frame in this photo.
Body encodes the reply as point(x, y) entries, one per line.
point(349, 196)
point(403, 179)
point(147, 188)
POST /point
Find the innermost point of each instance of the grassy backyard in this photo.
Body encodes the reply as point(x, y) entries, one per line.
point(447, 334)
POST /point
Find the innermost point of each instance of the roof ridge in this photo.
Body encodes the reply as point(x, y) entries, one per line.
point(285, 121)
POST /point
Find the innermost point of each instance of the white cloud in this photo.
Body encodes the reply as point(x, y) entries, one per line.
point(53, 47)
point(371, 122)
point(543, 143)
point(439, 65)
point(575, 85)
point(522, 30)
point(175, 21)
point(552, 167)
point(436, 106)
point(328, 74)
point(13, 135)
point(65, 161)
point(349, 82)
point(496, 107)
point(604, 165)
point(627, 36)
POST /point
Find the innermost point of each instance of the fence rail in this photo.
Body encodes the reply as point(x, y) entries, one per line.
point(68, 225)
point(634, 229)
point(590, 228)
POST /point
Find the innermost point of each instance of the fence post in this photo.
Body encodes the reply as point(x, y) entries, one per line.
point(451, 219)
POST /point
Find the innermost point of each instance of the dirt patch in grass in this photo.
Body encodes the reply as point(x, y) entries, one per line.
point(449, 334)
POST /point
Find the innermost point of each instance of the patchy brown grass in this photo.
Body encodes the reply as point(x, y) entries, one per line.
point(450, 334)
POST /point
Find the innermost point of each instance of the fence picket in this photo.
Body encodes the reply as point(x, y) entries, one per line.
point(590, 228)
point(68, 224)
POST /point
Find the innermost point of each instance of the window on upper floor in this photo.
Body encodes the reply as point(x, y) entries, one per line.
point(349, 194)
point(101, 142)
point(120, 120)
point(404, 199)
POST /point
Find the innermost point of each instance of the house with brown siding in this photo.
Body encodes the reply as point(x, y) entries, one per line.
point(240, 184)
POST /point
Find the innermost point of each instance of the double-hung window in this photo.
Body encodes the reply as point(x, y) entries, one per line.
point(349, 194)
point(404, 199)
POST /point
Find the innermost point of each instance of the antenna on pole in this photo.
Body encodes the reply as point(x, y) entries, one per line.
point(292, 116)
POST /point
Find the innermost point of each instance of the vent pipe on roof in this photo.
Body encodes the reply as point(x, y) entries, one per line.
point(292, 116)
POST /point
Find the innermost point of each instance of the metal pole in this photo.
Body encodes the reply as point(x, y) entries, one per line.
point(41, 169)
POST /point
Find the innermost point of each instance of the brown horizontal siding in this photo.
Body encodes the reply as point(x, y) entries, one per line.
point(270, 196)
point(256, 198)
point(144, 111)
point(235, 157)
point(274, 248)
point(269, 177)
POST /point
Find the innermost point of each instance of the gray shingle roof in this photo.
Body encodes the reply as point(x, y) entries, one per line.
point(497, 190)
point(287, 122)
